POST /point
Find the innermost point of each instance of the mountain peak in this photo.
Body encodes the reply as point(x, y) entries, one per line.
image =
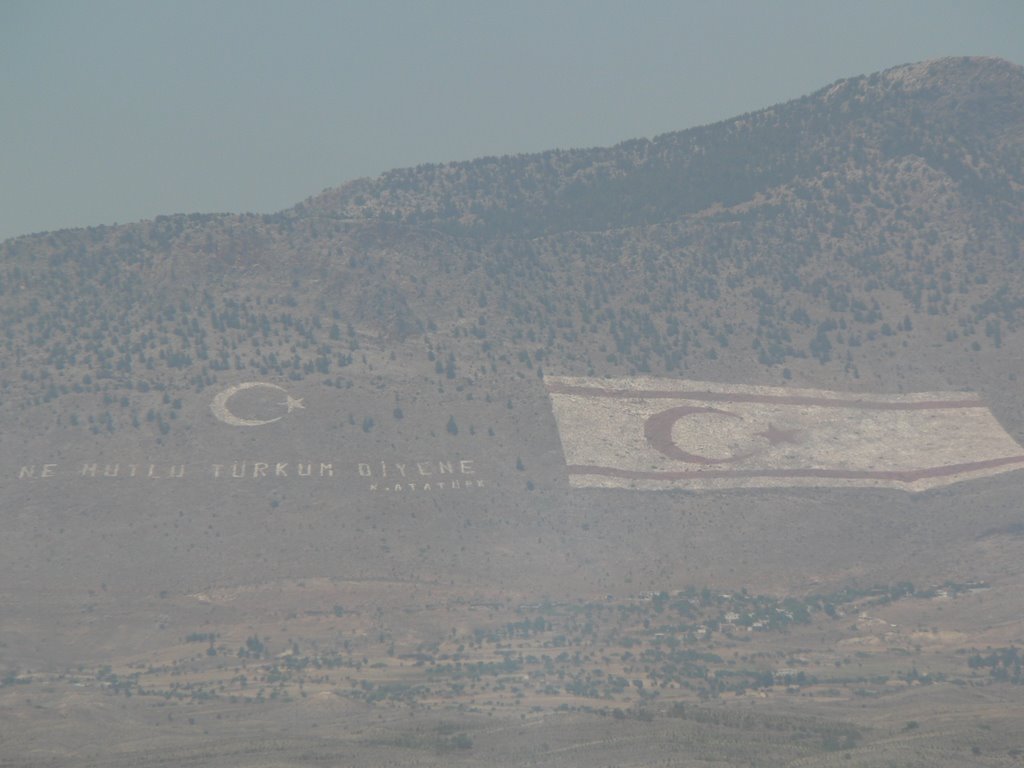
point(952, 71)
point(953, 83)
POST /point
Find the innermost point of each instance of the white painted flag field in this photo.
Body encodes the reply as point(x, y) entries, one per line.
point(663, 434)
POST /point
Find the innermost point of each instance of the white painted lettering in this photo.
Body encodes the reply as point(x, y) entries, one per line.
point(429, 475)
point(47, 470)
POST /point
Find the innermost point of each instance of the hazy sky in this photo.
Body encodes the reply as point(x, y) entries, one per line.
point(118, 111)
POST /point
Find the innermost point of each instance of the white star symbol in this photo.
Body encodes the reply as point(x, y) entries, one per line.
point(292, 403)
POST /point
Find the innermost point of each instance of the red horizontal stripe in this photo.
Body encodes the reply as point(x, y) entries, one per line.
point(742, 397)
point(902, 476)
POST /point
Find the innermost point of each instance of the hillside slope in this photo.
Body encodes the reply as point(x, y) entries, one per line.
point(821, 236)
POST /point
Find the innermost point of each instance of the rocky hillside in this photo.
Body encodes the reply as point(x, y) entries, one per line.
point(866, 235)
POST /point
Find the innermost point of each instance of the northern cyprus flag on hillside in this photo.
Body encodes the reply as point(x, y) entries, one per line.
point(663, 434)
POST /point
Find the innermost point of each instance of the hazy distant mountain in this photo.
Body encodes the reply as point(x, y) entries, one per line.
point(880, 213)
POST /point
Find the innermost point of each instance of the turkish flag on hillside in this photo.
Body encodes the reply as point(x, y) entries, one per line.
point(662, 434)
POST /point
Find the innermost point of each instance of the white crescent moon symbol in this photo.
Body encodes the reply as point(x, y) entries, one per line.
point(220, 409)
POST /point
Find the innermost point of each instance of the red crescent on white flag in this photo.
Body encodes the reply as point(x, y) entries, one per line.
point(658, 431)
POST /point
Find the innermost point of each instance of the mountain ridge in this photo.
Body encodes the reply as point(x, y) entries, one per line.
point(954, 80)
point(957, 79)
